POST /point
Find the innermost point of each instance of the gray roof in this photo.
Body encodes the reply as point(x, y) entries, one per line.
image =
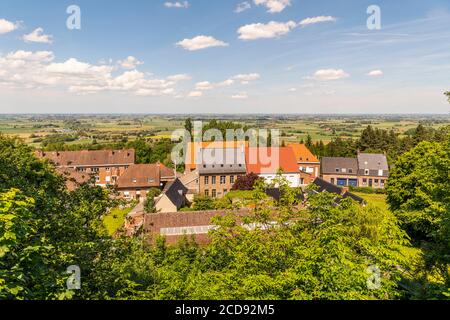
point(374, 163)
point(222, 161)
point(330, 164)
point(176, 192)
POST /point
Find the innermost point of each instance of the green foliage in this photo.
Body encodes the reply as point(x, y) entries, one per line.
point(419, 193)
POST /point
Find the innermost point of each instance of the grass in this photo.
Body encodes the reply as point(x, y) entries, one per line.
point(378, 200)
point(115, 219)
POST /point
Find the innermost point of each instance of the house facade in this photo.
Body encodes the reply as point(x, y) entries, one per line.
point(106, 166)
point(138, 179)
point(267, 163)
point(173, 197)
point(367, 170)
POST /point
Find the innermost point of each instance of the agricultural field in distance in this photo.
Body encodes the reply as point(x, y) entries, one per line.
point(83, 129)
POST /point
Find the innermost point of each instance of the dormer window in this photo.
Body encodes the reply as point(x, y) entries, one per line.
point(134, 180)
point(366, 172)
point(338, 170)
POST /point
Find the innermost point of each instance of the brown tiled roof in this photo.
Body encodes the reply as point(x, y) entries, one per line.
point(89, 157)
point(330, 164)
point(73, 178)
point(143, 176)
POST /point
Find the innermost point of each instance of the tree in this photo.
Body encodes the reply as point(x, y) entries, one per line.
point(149, 203)
point(246, 182)
point(188, 126)
point(419, 194)
point(448, 95)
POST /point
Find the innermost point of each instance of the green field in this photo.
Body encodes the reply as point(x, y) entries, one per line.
point(86, 129)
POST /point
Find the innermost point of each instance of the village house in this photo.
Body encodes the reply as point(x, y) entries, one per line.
point(173, 197)
point(220, 169)
point(307, 162)
point(267, 163)
point(138, 179)
point(106, 166)
point(367, 170)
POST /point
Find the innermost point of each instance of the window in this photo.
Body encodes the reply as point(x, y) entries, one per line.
point(344, 170)
point(206, 180)
point(207, 193)
point(214, 193)
point(223, 179)
point(376, 181)
point(332, 180)
point(337, 170)
point(366, 172)
point(365, 182)
point(95, 170)
point(380, 173)
point(108, 169)
point(232, 179)
point(134, 180)
point(150, 180)
point(213, 180)
point(350, 170)
point(97, 179)
point(382, 183)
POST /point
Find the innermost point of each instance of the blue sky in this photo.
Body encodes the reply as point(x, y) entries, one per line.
point(276, 56)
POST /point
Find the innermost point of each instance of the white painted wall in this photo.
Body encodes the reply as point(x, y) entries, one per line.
point(292, 178)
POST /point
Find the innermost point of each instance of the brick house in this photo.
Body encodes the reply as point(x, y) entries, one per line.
point(138, 179)
point(106, 166)
point(367, 170)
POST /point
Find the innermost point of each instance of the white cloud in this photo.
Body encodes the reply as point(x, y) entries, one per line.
point(38, 36)
point(375, 73)
point(177, 4)
point(179, 77)
point(7, 26)
point(315, 20)
point(204, 85)
point(292, 90)
point(264, 31)
point(246, 78)
point(201, 42)
point(243, 6)
point(329, 74)
point(240, 96)
point(130, 63)
point(195, 94)
point(25, 69)
point(273, 6)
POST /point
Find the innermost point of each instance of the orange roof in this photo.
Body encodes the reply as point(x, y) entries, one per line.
point(270, 160)
point(193, 147)
point(302, 153)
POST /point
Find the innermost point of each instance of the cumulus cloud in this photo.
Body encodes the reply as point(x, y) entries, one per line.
point(273, 6)
point(272, 29)
point(26, 69)
point(130, 63)
point(246, 78)
point(201, 42)
point(243, 6)
point(314, 20)
point(38, 36)
point(7, 26)
point(177, 4)
point(375, 73)
point(329, 74)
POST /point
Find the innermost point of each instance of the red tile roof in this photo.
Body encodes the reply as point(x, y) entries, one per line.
point(270, 160)
point(302, 153)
